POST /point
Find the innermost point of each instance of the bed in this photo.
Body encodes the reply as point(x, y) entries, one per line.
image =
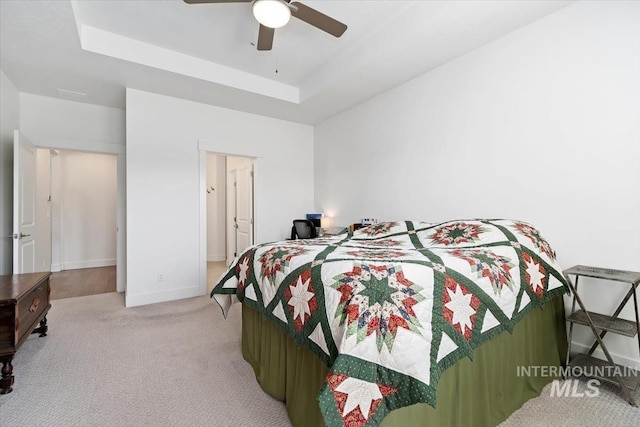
point(401, 323)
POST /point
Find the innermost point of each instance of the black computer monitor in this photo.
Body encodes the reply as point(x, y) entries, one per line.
point(315, 219)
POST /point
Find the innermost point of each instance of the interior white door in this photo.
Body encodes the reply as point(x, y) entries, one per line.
point(244, 207)
point(231, 216)
point(24, 204)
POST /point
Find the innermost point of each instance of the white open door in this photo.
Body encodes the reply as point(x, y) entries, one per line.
point(239, 209)
point(244, 207)
point(24, 204)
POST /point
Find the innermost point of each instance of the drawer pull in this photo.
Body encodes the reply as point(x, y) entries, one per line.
point(34, 304)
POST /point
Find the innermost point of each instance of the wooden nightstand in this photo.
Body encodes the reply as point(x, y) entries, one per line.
point(24, 304)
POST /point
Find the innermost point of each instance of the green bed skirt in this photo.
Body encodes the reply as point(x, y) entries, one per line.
point(482, 392)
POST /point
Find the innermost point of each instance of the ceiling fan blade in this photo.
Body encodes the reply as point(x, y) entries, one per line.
point(318, 19)
point(216, 1)
point(265, 38)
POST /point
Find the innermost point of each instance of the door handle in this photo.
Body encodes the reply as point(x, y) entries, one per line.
point(19, 236)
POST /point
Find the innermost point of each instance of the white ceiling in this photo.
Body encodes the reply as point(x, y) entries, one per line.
point(205, 52)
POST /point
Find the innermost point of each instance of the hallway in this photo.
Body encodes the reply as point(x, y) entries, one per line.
point(82, 282)
point(101, 280)
point(214, 271)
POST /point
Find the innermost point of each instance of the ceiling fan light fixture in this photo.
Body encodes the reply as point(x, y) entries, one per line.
point(271, 13)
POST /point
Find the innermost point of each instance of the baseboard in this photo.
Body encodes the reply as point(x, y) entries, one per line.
point(617, 358)
point(75, 265)
point(162, 296)
point(55, 268)
point(215, 258)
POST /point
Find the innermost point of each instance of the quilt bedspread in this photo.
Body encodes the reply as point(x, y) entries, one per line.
point(393, 305)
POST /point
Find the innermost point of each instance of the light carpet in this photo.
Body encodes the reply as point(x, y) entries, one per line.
point(180, 364)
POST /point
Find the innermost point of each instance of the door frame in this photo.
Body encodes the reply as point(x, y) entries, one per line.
point(203, 150)
point(119, 150)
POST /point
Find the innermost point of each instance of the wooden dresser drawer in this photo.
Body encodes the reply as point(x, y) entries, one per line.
point(7, 329)
point(31, 307)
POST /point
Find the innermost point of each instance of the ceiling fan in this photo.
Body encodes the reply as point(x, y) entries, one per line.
point(272, 14)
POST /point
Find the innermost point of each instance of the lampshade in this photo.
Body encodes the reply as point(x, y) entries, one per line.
point(325, 222)
point(271, 13)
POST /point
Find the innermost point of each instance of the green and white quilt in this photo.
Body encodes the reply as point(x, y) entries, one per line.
point(393, 305)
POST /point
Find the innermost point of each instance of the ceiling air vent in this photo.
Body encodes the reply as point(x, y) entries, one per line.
point(72, 95)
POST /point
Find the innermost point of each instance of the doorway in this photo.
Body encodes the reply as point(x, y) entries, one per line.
point(73, 213)
point(37, 180)
point(83, 222)
point(229, 211)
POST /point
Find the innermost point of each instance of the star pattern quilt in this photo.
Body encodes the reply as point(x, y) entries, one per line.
point(390, 307)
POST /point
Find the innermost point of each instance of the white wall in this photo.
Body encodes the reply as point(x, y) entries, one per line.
point(69, 124)
point(86, 198)
point(164, 135)
point(216, 208)
point(9, 121)
point(541, 125)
